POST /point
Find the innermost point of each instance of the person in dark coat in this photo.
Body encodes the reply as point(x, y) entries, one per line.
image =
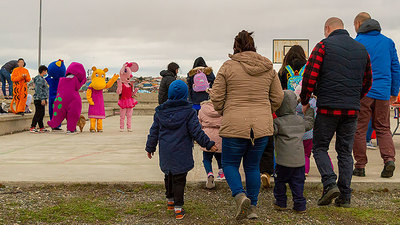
point(5, 76)
point(197, 97)
point(175, 127)
point(168, 76)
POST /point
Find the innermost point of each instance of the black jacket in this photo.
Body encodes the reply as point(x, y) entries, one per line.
point(198, 97)
point(10, 66)
point(342, 72)
point(167, 78)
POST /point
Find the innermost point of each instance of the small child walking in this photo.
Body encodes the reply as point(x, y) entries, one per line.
point(211, 121)
point(175, 126)
point(40, 100)
point(289, 130)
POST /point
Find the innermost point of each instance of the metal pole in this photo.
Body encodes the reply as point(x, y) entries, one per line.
point(40, 34)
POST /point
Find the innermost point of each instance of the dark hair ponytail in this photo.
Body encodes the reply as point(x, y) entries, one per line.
point(244, 42)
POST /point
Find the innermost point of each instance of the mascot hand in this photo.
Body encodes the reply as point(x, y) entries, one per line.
point(115, 77)
point(91, 102)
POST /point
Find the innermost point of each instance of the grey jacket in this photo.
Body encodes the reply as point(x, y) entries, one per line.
point(289, 129)
point(41, 88)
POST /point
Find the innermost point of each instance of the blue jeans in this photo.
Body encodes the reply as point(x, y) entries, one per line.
point(6, 76)
point(207, 160)
point(369, 131)
point(233, 151)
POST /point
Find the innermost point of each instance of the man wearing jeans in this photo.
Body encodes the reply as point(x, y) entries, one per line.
point(338, 72)
point(384, 91)
point(5, 76)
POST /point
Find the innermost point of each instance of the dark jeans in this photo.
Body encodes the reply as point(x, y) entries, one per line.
point(175, 187)
point(295, 178)
point(369, 131)
point(324, 129)
point(207, 160)
point(6, 76)
point(233, 151)
point(39, 114)
point(267, 158)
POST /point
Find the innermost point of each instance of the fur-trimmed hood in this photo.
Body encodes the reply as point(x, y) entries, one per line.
point(206, 70)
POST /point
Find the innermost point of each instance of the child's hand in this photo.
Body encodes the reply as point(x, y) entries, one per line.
point(150, 155)
point(305, 108)
point(214, 149)
point(43, 102)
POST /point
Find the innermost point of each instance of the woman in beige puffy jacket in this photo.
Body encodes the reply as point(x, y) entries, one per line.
point(246, 92)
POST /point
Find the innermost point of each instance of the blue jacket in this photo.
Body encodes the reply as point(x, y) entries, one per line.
point(384, 60)
point(175, 126)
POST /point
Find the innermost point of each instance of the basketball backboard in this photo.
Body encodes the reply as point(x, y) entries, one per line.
point(282, 46)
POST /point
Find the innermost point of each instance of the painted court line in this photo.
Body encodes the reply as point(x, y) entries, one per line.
point(86, 155)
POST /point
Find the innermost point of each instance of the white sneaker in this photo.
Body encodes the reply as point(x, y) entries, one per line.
point(210, 181)
point(129, 130)
point(370, 145)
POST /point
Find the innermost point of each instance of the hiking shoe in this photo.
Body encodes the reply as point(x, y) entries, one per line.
point(342, 202)
point(277, 207)
point(329, 193)
point(43, 130)
point(170, 205)
point(370, 145)
point(33, 130)
point(266, 180)
point(388, 169)
point(56, 129)
point(243, 205)
point(179, 213)
point(299, 211)
point(71, 132)
point(221, 175)
point(210, 181)
point(359, 172)
point(252, 213)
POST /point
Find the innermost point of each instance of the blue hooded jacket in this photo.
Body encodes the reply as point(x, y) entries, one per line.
point(175, 127)
point(384, 60)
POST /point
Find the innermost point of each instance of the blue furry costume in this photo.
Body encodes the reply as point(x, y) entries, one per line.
point(55, 71)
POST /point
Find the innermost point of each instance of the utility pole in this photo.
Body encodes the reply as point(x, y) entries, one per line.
point(40, 35)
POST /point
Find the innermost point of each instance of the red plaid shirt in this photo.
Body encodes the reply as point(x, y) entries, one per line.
point(310, 77)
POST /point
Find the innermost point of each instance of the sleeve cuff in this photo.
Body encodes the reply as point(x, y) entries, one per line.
point(210, 145)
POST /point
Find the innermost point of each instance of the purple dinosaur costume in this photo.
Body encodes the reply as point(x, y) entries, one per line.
point(68, 102)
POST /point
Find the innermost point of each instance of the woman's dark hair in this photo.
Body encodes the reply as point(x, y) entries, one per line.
point(294, 57)
point(42, 68)
point(22, 60)
point(172, 67)
point(244, 42)
point(199, 62)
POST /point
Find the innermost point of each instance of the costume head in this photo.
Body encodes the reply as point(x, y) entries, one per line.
point(99, 78)
point(77, 70)
point(126, 71)
point(56, 69)
point(178, 90)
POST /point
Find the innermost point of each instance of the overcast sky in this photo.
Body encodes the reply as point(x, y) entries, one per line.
point(107, 33)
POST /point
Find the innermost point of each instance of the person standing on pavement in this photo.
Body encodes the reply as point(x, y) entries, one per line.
point(168, 76)
point(339, 73)
point(384, 91)
point(5, 76)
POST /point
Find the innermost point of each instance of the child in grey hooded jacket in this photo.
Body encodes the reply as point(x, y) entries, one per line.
point(289, 129)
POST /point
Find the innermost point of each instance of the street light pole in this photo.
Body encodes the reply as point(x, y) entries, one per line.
point(40, 34)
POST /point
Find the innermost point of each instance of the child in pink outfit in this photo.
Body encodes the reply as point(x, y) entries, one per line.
point(210, 122)
point(126, 93)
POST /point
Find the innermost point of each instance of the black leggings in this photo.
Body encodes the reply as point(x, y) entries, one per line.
point(267, 159)
point(175, 187)
point(39, 114)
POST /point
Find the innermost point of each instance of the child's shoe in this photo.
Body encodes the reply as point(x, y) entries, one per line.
point(221, 175)
point(43, 130)
point(129, 130)
point(266, 180)
point(179, 213)
point(210, 181)
point(56, 129)
point(71, 132)
point(279, 208)
point(121, 130)
point(300, 211)
point(33, 130)
point(170, 205)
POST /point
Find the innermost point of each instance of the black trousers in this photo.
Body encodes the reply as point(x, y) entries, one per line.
point(175, 187)
point(267, 159)
point(39, 114)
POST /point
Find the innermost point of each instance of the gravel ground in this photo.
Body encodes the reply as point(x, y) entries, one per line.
point(27, 203)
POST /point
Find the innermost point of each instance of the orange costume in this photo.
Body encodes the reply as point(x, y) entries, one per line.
point(20, 90)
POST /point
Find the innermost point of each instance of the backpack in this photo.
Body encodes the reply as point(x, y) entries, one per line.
point(294, 77)
point(200, 82)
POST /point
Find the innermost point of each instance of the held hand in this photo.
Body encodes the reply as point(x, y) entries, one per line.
point(214, 149)
point(150, 155)
point(305, 108)
point(392, 99)
point(43, 102)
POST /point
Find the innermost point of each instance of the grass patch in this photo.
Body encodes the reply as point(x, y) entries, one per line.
point(75, 209)
point(146, 208)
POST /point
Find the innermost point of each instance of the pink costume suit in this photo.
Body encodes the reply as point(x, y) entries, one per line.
point(97, 110)
point(68, 102)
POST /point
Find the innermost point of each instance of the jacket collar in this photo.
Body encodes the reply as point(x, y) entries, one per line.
point(339, 32)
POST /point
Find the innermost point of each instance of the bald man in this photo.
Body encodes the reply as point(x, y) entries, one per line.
point(384, 91)
point(338, 72)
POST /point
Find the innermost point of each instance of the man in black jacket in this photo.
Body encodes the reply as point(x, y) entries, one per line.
point(168, 76)
point(5, 75)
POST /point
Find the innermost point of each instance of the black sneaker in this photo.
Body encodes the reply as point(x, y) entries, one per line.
point(388, 170)
point(56, 129)
point(342, 202)
point(330, 192)
point(359, 172)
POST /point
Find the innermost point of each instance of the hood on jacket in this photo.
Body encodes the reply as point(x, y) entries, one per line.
point(289, 104)
point(173, 113)
point(369, 25)
point(206, 70)
point(199, 62)
point(178, 90)
point(208, 108)
point(166, 73)
point(253, 63)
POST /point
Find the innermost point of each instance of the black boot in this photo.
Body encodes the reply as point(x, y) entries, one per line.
point(359, 172)
point(330, 192)
point(388, 170)
point(342, 202)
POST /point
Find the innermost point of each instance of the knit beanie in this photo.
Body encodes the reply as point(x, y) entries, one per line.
point(178, 90)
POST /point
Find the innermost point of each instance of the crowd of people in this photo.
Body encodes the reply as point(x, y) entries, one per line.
point(273, 122)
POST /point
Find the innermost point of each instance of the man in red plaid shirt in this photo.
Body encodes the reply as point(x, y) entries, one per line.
point(339, 73)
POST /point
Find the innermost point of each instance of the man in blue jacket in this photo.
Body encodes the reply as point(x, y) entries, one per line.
point(384, 91)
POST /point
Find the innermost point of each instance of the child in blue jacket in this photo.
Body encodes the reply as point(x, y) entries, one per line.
point(175, 127)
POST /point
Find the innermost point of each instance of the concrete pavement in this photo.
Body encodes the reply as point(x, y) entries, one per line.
point(113, 156)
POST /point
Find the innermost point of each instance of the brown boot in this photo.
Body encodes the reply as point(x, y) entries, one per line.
point(243, 205)
point(252, 213)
